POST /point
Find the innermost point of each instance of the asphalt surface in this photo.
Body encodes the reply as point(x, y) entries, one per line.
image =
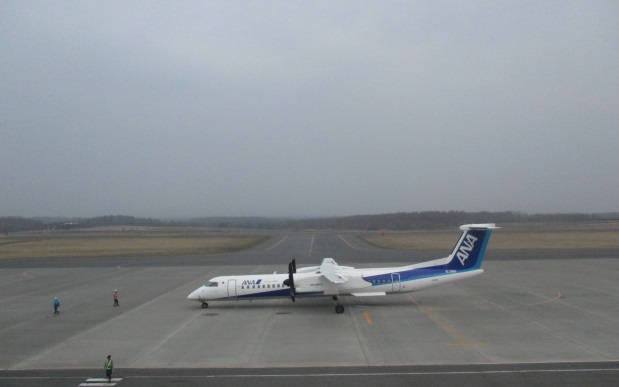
point(540, 374)
point(546, 319)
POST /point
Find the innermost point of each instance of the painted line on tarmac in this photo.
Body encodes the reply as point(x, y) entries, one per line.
point(278, 243)
point(181, 326)
point(382, 374)
point(49, 290)
point(311, 245)
point(363, 374)
point(24, 277)
point(348, 243)
point(367, 317)
point(92, 382)
point(462, 341)
point(557, 297)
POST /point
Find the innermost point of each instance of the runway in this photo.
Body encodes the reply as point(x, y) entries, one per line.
point(523, 320)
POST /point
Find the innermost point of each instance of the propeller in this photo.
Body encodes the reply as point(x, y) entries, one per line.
point(292, 268)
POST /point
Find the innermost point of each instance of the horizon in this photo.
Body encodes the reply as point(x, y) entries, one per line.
point(517, 213)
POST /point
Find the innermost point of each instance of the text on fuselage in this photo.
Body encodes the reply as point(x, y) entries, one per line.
point(251, 282)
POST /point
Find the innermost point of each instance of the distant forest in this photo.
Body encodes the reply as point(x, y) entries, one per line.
point(429, 220)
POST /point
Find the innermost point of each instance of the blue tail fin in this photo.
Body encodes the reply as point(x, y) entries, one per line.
point(471, 248)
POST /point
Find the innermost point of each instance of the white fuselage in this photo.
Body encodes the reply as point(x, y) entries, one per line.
point(332, 280)
point(310, 283)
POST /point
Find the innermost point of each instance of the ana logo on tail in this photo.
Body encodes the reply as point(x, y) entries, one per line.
point(465, 248)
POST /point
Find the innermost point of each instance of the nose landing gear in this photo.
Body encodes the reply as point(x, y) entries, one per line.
point(204, 305)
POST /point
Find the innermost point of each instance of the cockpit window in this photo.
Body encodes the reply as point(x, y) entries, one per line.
point(212, 284)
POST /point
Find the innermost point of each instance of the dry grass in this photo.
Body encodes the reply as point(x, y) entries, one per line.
point(602, 235)
point(135, 242)
point(177, 241)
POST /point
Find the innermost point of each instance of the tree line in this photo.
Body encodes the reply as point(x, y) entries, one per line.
point(427, 220)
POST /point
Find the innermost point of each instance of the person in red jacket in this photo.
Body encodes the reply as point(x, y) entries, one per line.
point(115, 297)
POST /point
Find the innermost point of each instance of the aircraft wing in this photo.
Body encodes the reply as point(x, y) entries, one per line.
point(332, 271)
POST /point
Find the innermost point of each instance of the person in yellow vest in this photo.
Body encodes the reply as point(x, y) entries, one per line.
point(109, 366)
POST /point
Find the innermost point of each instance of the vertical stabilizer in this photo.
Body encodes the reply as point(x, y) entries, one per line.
point(471, 248)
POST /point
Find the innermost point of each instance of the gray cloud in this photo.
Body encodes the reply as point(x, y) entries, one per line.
point(304, 109)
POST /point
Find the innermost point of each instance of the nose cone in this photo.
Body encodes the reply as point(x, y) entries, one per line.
point(195, 295)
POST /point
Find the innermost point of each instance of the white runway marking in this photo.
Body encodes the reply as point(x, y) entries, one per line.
point(91, 382)
point(348, 243)
point(277, 244)
point(382, 374)
point(311, 246)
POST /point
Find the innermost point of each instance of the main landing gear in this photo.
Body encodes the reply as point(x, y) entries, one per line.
point(339, 308)
point(204, 305)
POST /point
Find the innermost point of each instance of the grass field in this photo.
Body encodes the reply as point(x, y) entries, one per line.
point(194, 241)
point(125, 242)
point(599, 235)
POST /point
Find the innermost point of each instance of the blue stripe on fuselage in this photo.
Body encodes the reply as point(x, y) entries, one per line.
point(406, 275)
point(410, 275)
point(467, 256)
point(266, 294)
point(276, 293)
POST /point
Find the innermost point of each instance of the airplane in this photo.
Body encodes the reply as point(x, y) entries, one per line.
point(332, 280)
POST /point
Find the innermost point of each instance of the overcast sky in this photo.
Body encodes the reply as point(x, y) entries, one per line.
point(307, 108)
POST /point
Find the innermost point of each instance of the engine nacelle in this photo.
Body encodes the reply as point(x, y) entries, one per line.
point(308, 283)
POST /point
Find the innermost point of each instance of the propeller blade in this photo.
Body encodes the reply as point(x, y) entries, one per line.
point(292, 268)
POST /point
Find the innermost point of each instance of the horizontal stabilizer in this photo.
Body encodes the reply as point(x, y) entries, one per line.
point(485, 226)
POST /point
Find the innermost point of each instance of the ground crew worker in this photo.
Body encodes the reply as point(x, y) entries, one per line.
point(108, 366)
point(56, 305)
point(115, 297)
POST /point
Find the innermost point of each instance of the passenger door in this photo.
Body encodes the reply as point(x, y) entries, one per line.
point(232, 288)
point(395, 282)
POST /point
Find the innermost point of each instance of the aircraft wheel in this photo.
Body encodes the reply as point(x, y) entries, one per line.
point(204, 305)
point(339, 309)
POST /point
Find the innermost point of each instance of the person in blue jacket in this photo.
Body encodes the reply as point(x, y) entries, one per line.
point(56, 305)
